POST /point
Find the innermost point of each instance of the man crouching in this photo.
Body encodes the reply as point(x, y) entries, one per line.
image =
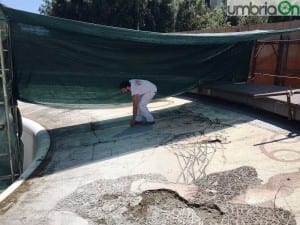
point(142, 91)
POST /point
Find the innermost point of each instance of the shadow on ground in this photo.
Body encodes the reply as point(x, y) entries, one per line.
point(74, 146)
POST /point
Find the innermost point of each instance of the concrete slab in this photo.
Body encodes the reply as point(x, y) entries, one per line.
point(247, 93)
point(95, 158)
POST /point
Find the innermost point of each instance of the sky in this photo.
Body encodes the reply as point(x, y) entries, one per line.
point(25, 5)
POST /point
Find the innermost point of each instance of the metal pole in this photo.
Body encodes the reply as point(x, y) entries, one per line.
point(288, 94)
point(288, 99)
point(276, 94)
point(14, 99)
point(6, 107)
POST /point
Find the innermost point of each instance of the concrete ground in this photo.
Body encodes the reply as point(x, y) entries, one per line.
point(99, 168)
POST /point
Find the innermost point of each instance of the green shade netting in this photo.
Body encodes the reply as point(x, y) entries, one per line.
point(69, 62)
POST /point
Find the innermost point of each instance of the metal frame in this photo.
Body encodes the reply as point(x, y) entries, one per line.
point(6, 105)
point(288, 94)
point(282, 57)
point(10, 106)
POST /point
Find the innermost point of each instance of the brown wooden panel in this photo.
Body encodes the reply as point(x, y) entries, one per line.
point(277, 62)
point(294, 35)
point(262, 79)
point(266, 59)
point(292, 70)
point(293, 60)
point(292, 82)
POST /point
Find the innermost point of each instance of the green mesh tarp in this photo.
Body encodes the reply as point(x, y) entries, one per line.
point(67, 62)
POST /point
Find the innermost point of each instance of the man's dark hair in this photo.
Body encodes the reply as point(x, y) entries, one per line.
point(125, 84)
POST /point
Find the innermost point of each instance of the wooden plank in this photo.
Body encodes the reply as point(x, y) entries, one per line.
point(276, 94)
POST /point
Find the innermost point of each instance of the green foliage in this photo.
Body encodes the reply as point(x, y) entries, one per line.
point(252, 20)
point(151, 15)
point(217, 19)
point(46, 7)
point(191, 15)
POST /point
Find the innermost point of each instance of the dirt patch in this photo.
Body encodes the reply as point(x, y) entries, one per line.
point(114, 202)
point(13, 198)
point(167, 200)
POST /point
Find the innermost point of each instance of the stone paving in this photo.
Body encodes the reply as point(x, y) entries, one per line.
point(201, 163)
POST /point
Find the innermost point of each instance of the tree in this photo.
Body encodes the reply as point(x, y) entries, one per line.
point(217, 19)
point(191, 15)
point(59, 8)
point(46, 7)
point(184, 16)
point(151, 15)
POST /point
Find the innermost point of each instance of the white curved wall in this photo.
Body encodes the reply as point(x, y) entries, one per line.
point(36, 142)
point(28, 139)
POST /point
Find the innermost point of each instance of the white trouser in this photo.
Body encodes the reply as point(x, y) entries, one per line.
point(143, 112)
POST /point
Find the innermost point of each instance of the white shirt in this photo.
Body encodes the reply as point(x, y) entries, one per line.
point(140, 87)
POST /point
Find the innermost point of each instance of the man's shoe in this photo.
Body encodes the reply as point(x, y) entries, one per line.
point(149, 122)
point(139, 122)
